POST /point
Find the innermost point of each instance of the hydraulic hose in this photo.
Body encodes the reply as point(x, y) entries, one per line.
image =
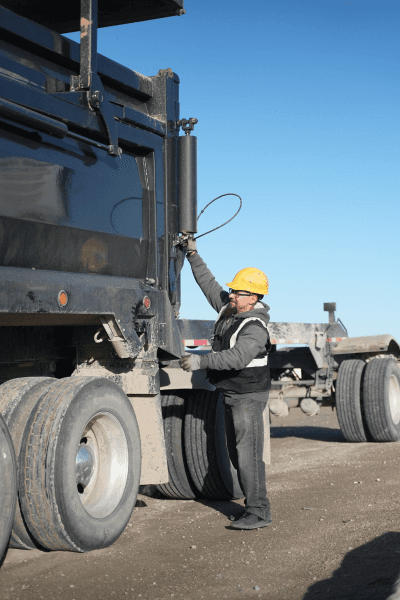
point(226, 222)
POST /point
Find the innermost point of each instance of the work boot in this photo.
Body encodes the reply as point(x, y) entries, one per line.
point(237, 516)
point(251, 521)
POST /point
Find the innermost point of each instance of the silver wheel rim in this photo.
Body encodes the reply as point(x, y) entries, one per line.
point(102, 464)
point(394, 399)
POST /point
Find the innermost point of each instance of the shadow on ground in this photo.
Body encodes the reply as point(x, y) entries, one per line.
point(369, 572)
point(226, 507)
point(325, 434)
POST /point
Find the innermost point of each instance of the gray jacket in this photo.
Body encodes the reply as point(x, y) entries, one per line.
point(251, 342)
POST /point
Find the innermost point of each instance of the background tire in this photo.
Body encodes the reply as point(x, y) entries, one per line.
point(382, 399)
point(180, 484)
point(206, 447)
point(8, 486)
point(80, 465)
point(18, 397)
point(349, 401)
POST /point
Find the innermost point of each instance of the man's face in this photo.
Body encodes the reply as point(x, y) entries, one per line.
point(242, 301)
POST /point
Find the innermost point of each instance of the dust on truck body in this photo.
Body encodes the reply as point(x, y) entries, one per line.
point(92, 170)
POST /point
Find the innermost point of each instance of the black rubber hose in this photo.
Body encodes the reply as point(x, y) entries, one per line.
point(226, 222)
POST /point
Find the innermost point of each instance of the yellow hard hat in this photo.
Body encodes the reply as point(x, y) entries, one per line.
point(250, 279)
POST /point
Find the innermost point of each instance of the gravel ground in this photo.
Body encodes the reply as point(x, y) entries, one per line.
point(335, 534)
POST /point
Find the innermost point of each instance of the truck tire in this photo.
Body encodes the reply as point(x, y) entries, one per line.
point(18, 397)
point(206, 447)
point(349, 401)
point(80, 465)
point(8, 486)
point(382, 399)
point(180, 485)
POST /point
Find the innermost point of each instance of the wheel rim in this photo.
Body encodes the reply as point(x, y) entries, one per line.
point(102, 464)
point(394, 399)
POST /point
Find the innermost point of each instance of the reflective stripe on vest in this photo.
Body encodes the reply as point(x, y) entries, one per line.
point(256, 362)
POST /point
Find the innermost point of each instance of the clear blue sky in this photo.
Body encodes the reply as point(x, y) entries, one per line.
point(298, 107)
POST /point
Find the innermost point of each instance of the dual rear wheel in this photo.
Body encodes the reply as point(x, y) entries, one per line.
point(78, 449)
point(199, 448)
point(368, 400)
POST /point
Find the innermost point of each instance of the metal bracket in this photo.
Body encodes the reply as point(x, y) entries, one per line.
point(344, 327)
point(320, 351)
point(105, 111)
point(179, 240)
point(320, 340)
point(115, 336)
point(187, 125)
point(317, 349)
point(88, 81)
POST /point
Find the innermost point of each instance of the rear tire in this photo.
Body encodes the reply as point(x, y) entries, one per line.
point(18, 397)
point(382, 399)
point(80, 465)
point(8, 486)
point(206, 447)
point(349, 401)
point(180, 484)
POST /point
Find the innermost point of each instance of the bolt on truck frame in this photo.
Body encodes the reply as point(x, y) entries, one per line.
point(96, 184)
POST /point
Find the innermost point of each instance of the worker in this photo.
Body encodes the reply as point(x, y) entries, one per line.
point(238, 367)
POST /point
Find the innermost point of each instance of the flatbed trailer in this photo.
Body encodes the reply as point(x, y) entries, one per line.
point(315, 364)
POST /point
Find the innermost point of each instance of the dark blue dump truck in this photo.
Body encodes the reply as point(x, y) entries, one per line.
point(97, 190)
point(97, 184)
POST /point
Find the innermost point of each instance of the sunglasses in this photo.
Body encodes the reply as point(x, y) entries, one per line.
point(239, 293)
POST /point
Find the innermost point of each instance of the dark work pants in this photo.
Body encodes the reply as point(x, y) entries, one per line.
point(245, 417)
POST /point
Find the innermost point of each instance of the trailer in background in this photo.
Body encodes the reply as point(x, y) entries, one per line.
point(319, 364)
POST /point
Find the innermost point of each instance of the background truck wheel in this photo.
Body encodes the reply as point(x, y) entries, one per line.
point(349, 401)
point(180, 484)
point(206, 447)
point(382, 399)
point(80, 465)
point(18, 397)
point(8, 486)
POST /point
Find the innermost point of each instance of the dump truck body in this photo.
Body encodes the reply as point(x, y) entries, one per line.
point(74, 219)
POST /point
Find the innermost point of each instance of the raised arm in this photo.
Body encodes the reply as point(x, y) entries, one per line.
point(214, 293)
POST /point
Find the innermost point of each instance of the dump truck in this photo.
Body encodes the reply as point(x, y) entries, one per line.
point(98, 188)
point(98, 192)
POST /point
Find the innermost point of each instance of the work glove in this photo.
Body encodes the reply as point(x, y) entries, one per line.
point(191, 245)
point(191, 362)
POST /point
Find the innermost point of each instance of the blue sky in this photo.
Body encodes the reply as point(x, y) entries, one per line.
point(298, 108)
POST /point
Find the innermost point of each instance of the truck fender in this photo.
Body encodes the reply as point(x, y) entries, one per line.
point(368, 343)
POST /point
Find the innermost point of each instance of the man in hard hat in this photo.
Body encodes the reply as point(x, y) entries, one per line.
point(238, 366)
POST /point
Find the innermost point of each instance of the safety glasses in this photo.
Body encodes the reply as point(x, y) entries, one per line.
point(239, 293)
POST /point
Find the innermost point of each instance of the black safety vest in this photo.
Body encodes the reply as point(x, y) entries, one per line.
point(253, 378)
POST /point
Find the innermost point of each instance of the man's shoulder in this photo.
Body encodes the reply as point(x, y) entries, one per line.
point(256, 315)
point(251, 321)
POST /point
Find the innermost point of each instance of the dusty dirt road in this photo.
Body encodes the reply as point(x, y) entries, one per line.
point(335, 534)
